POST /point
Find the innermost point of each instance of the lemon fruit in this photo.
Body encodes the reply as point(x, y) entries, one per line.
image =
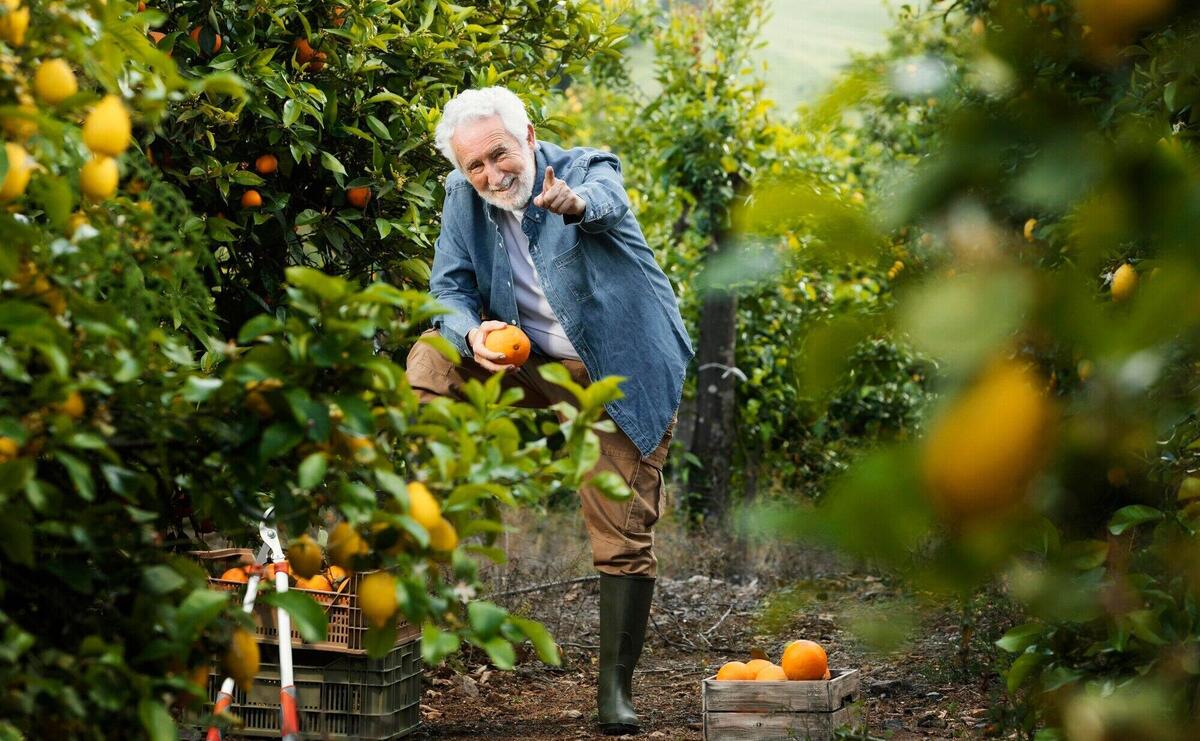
point(377, 598)
point(345, 545)
point(1124, 283)
point(54, 82)
point(982, 453)
point(107, 129)
point(305, 557)
point(98, 178)
point(242, 658)
point(20, 169)
point(422, 506)
point(22, 126)
point(443, 536)
point(14, 24)
point(8, 449)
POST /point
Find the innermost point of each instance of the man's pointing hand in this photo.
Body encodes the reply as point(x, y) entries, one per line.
point(558, 198)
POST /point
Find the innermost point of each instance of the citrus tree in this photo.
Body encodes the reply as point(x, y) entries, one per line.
point(132, 422)
point(1051, 288)
point(701, 140)
point(327, 160)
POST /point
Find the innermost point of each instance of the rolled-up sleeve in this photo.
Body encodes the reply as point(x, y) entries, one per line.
point(454, 285)
point(603, 192)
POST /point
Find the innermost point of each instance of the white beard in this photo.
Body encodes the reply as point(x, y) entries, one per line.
point(517, 195)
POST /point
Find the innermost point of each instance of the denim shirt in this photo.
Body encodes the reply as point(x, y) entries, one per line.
point(599, 275)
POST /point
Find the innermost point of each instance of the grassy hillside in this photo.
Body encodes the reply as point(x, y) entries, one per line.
point(806, 42)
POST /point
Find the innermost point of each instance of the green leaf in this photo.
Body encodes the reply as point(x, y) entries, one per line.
point(379, 641)
point(485, 618)
point(1021, 668)
point(611, 485)
point(263, 324)
point(159, 724)
point(278, 439)
point(436, 644)
point(543, 642)
point(1132, 516)
point(160, 579)
point(331, 163)
point(1021, 637)
point(291, 113)
point(80, 474)
point(442, 345)
point(328, 287)
point(199, 609)
point(307, 616)
point(312, 470)
point(197, 389)
point(380, 130)
point(501, 652)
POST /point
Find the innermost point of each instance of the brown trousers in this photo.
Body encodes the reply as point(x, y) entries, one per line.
point(621, 532)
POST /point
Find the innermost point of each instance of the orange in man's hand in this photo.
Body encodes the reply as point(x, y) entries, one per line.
point(512, 342)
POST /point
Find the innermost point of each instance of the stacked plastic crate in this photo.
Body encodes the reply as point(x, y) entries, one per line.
point(341, 693)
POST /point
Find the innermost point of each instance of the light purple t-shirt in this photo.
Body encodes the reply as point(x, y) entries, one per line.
point(537, 318)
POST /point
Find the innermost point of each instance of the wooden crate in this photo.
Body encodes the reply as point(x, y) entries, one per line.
point(766, 711)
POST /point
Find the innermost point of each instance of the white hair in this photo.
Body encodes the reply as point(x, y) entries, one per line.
point(470, 105)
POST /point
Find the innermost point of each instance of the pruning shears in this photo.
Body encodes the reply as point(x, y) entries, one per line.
point(289, 718)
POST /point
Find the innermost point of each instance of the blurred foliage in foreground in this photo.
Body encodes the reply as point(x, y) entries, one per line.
point(1053, 291)
point(145, 402)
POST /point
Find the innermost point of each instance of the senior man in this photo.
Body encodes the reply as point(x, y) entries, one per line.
point(543, 237)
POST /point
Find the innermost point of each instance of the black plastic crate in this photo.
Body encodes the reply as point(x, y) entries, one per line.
point(337, 695)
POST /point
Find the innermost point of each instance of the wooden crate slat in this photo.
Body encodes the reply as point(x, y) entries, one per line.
point(779, 726)
point(782, 697)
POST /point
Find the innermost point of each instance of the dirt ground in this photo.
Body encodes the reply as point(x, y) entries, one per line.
point(714, 601)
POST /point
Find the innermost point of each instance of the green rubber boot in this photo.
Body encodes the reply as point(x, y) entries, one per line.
point(624, 609)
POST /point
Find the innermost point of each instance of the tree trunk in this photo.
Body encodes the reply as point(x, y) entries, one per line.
point(714, 436)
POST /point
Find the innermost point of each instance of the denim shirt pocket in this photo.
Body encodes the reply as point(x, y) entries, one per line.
point(574, 270)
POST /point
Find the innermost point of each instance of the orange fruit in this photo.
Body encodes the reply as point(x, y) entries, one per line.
point(734, 671)
point(757, 665)
point(358, 197)
point(156, 37)
point(339, 16)
point(266, 164)
point(8, 449)
point(304, 50)
point(73, 406)
point(206, 48)
point(336, 574)
point(984, 450)
point(512, 342)
point(317, 584)
point(251, 199)
point(804, 660)
point(318, 62)
point(237, 574)
point(771, 673)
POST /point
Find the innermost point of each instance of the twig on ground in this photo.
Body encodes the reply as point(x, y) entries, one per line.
point(718, 623)
point(550, 585)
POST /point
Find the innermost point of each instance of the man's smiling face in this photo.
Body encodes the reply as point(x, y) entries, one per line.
point(499, 166)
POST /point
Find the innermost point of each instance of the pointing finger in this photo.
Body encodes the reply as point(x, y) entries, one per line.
point(549, 183)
